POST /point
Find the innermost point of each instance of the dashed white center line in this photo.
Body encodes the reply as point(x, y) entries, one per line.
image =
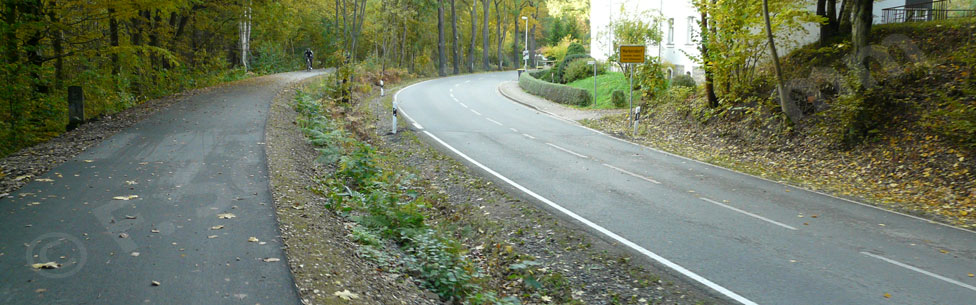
point(463, 105)
point(916, 269)
point(453, 97)
point(528, 136)
point(475, 111)
point(747, 213)
point(493, 121)
point(632, 174)
point(567, 151)
point(513, 129)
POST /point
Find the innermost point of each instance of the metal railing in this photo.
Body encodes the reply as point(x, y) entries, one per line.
point(925, 11)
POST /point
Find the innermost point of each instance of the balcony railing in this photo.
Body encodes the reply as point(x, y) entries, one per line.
point(926, 11)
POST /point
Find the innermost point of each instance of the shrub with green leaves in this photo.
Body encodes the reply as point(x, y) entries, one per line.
point(555, 92)
point(619, 99)
point(561, 66)
point(579, 69)
point(683, 81)
point(575, 48)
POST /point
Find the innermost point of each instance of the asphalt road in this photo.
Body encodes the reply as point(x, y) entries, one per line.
point(202, 157)
point(747, 239)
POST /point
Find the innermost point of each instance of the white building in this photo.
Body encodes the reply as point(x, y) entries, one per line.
point(679, 43)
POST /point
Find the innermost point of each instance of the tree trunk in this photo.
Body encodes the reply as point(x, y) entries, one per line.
point(113, 29)
point(844, 19)
point(515, 45)
point(474, 31)
point(455, 46)
point(499, 34)
point(831, 18)
point(788, 106)
point(57, 43)
point(245, 32)
point(822, 12)
point(441, 57)
point(861, 31)
point(709, 82)
point(484, 35)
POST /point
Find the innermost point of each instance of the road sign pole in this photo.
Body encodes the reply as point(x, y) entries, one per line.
point(594, 82)
point(630, 108)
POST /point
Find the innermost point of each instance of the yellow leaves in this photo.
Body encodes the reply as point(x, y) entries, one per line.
point(252, 239)
point(226, 215)
point(887, 295)
point(217, 227)
point(126, 198)
point(271, 259)
point(47, 265)
point(345, 294)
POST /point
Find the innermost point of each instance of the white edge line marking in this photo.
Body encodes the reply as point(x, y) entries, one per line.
point(567, 151)
point(463, 105)
point(513, 129)
point(632, 174)
point(528, 136)
point(694, 276)
point(496, 122)
point(555, 116)
point(475, 112)
point(747, 213)
point(913, 268)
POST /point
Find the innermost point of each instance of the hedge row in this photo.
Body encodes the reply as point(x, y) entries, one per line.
point(554, 92)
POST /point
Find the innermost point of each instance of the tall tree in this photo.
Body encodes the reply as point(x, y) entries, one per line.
point(455, 44)
point(474, 36)
point(245, 31)
point(441, 57)
point(498, 31)
point(706, 65)
point(787, 105)
point(484, 35)
point(861, 32)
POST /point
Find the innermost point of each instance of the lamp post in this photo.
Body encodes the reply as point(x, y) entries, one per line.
point(526, 57)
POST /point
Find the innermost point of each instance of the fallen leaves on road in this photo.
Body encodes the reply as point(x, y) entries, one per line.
point(212, 236)
point(130, 182)
point(44, 180)
point(130, 217)
point(887, 295)
point(218, 227)
point(47, 265)
point(134, 254)
point(123, 235)
point(154, 231)
point(271, 259)
point(252, 239)
point(40, 290)
point(130, 197)
point(19, 178)
point(346, 295)
point(226, 215)
point(155, 283)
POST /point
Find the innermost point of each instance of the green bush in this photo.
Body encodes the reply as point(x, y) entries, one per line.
point(555, 92)
point(561, 66)
point(683, 81)
point(575, 48)
point(579, 69)
point(619, 99)
point(650, 80)
point(544, 75)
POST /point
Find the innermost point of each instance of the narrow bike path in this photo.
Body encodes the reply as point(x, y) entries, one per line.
point(173, 210)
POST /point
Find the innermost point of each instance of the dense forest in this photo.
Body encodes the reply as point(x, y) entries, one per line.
point(122, 53)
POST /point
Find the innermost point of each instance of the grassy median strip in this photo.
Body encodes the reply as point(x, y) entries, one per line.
point(387, 210)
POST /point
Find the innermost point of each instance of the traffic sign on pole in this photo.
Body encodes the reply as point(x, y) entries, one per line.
point(632, 54)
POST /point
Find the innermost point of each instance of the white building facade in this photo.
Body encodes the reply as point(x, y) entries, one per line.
point(680, 29)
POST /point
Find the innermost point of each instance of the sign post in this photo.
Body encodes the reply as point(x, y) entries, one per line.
point(593, 63)
point(630, 55)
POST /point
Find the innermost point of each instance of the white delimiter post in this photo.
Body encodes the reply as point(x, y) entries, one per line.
point(382, 92)
point(394, 117)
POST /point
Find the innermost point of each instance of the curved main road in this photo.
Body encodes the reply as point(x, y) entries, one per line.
point(749, 239)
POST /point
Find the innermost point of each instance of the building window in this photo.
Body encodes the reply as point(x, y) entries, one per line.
point(671, 31)
point(691, 30)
